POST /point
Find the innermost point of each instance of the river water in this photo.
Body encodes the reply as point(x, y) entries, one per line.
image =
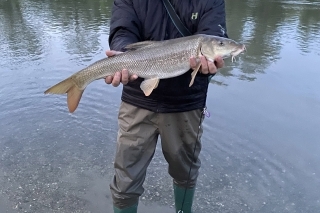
point(261, 145)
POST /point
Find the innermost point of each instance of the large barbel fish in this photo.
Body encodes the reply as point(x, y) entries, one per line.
point(151, 60)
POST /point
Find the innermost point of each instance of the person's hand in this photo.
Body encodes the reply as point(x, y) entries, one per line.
point(207, 67)
point(121, 76)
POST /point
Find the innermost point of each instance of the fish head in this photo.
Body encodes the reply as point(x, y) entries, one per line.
point(214, 46)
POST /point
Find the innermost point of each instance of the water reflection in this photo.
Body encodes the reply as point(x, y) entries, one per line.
point(265, 27)
point(75, 18)
point(20, 37)
point(309, 29)
point(28, 27)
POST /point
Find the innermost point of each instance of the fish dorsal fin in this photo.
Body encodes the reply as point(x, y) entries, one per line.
point(140, 45)
point(148, 85)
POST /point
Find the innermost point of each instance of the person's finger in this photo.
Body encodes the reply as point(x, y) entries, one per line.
point(219, 62)
point(133, 77)
point(124, 76)
point(111, 53)
point(212, 69)
point(116, 79)
point(193, 62)
point(204, 65)
point(109, 79)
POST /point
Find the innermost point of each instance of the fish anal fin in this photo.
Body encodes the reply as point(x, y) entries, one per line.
point(194, 73)
point(148, 85)
point(73, 98)
point(157, 84)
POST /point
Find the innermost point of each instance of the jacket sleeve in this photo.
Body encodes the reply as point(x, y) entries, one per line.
point(213, 21)
point(125, 26)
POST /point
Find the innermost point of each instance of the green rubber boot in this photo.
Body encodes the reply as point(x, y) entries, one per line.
point(130, 209)
point(178, 199)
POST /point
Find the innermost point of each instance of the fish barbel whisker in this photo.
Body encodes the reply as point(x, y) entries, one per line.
point(237, 52)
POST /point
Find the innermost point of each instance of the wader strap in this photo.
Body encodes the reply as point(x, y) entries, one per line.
point(175, 19)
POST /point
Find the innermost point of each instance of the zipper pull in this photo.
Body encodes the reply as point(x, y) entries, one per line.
point(206, 112)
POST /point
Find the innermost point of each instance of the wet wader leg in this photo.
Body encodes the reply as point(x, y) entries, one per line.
point(136, 143)
point(130, 209)
point(178, 137)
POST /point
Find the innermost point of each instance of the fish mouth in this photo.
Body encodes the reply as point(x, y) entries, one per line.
point(237, 52)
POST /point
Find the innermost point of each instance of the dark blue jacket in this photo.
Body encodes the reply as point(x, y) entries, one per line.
point(140, 20)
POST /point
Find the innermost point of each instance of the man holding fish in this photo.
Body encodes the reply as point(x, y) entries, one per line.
point(173, 110)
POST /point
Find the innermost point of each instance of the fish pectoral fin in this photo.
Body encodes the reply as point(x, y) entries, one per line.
point(148, 85)
point(194, 73)
point(139, 45)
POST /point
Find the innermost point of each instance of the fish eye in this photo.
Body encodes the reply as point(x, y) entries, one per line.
point(221, 43)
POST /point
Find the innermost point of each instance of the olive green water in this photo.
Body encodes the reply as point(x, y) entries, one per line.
point(261, 146)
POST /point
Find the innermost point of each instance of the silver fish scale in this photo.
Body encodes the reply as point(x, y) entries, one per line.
point(166, 59)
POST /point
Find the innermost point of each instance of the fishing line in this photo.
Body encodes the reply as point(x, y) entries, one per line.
point(204, 112)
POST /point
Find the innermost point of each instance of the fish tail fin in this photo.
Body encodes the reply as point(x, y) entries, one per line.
point(68, 86)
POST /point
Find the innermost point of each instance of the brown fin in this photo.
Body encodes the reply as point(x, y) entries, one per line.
point(73, 92)
point(148, 85)
point(73, 98)
point(194, 73)
point(61, 88)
